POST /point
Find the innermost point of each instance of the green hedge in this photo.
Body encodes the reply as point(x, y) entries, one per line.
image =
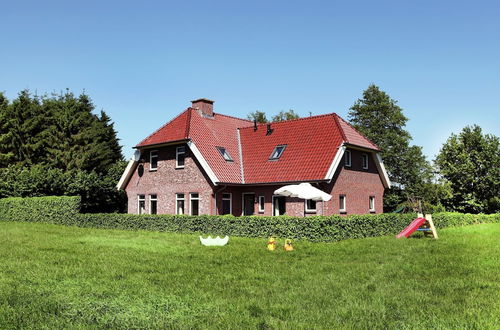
point(64, 210)
point(52, 209)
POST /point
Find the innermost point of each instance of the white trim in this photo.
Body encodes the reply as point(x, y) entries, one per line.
point(243, 202)
point(263, 209)
point(203, 162)
point(308, 210)
point(343, 210)
point(127, 174)
point(139, 203)
point(371, 203)
point(381, 169)
point(177, 153)
point(180, 199)
point(150, 202)
point(363, 156)
point(240, 152)
point(230, 201)
point(335, 163)
point(151, 169)
point(194, 199)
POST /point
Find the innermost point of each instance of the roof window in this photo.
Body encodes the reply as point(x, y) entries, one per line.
point(225, 154)
point(277, 152)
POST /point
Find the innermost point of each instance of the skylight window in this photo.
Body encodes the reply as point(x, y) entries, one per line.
point(277, 152)
point(225, 154)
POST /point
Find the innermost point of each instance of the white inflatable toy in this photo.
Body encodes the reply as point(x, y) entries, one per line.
point(209, 241)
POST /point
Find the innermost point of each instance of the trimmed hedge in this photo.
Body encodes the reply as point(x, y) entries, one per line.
point(64, 210)
point(52, 209)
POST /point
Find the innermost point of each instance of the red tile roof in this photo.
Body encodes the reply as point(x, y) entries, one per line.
point(311, 145)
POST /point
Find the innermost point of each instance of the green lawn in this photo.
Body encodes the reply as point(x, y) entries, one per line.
point(54, 276)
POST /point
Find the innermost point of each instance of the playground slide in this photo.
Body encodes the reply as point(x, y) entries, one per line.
point(414, 225)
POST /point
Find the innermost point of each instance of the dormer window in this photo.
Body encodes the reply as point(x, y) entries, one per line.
point(347, 158)
point(277, 152)
point(365, 161)
point(225, 154)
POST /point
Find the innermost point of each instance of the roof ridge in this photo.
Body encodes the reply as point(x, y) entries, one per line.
point(188, 122)
point(171, 120)
point(220, 114)
point(362, 135)
point(336, 118)
point(293, 120)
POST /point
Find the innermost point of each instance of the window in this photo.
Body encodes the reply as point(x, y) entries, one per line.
point(194, 199)
point(225, 154)
point(179, 204)
point(342, 204)
point(365, 161)
point(153, 204)
point(180, 155)
point(310, 205)
point(226, 203)
point(372, 203)
point(347, 158)
point(279, 205)
point(153, 160)
point(262, 203)
point(277, 152)
point(141, 204)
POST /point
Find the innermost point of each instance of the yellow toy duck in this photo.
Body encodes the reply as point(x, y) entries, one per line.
point(288, 245)
point(271, 244)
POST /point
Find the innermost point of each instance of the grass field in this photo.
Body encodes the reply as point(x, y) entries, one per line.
point(54, 276)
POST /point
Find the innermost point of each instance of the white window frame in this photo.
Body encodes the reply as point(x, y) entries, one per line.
point(307, 209)
point(230, 199)
point(151, 156)
point(344, 209)
point(191, 198)
point(176, 203)
point(177, 153)
point(139, 200)
point(151, 199)
point(348, 158)
point(371, 203)
point(262, 204)
point(363, 158)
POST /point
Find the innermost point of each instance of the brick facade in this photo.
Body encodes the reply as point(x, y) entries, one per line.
point(356, 183)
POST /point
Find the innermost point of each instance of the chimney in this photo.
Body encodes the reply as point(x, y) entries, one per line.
point(205, 106)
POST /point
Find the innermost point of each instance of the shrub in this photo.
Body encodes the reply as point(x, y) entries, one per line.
point(52, 209)
point(64, 211)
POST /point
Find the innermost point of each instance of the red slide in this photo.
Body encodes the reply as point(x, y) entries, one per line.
point(414, 225)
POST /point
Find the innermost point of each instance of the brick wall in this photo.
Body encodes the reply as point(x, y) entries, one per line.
point(356, 183)
point(166, 181)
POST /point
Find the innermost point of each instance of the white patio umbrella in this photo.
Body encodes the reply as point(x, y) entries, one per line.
point(303, 190)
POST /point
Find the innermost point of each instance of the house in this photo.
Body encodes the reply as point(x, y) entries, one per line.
point(202, 162)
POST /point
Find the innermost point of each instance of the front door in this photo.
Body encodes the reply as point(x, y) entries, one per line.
point(248, 204)
point(279, 205)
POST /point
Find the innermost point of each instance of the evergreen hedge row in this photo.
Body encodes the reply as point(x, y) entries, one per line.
point(64, 210)
point(52, 209)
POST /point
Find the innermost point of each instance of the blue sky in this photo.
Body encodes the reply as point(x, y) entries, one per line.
point(143, 61)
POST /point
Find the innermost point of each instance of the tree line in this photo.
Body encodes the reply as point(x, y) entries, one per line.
point(57, 145)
